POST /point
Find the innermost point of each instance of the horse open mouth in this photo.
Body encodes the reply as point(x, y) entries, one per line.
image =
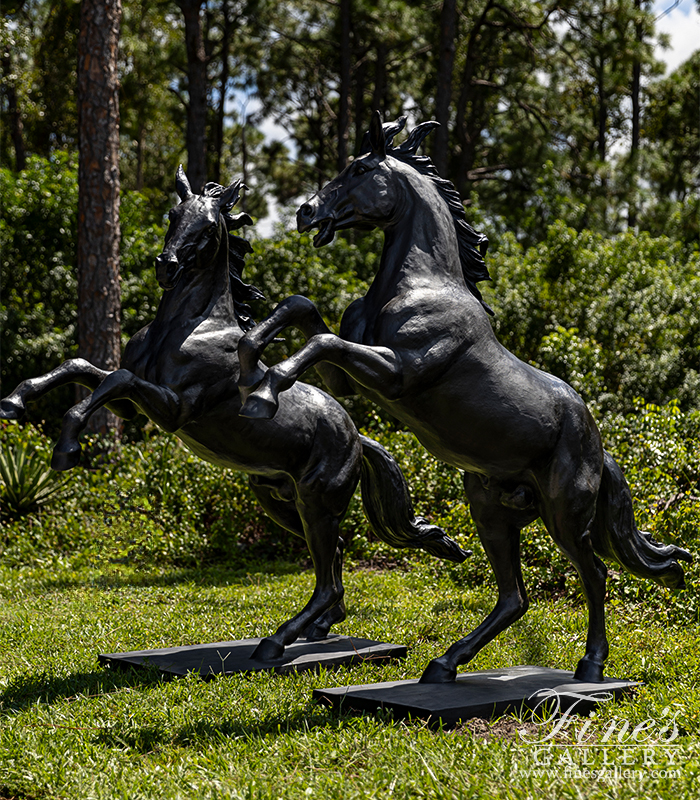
point(326, 232)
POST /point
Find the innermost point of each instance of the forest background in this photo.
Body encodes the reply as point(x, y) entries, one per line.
point(573, 150)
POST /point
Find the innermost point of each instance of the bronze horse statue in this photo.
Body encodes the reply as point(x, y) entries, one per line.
point(181, 371)
point(420, 345)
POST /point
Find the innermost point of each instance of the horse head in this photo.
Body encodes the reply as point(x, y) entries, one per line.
point(366, 194)
point(197, 225)
point(379, 186)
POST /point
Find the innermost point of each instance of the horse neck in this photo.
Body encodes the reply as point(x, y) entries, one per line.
point(203, 294)
point(420, 248)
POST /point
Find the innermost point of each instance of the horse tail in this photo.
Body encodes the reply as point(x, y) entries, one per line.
point(388, 506)
point(615, 534)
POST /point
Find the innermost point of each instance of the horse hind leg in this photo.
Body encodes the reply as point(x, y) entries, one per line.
point(75, 370)
point(572, 534)
point(322, 536)
point(499, 529)
point(277, 499)
point(322, 498)
point(276, 496)
point(320, 628)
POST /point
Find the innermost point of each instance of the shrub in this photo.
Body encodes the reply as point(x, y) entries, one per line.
point(154, 501)
point(615, 317)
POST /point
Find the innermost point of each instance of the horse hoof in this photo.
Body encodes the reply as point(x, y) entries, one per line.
point(436, 672)
point(65, 459)
point(256, 407)
point(246, 390)
point(11, 410)
point(268, 650)
point(589, 670)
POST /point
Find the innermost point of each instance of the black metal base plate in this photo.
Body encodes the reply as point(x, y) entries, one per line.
point(227, 658)
point(486, 694)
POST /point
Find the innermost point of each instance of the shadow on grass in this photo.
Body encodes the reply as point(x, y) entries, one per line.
point(149, 738)
point(115, 576)
point(28, 690)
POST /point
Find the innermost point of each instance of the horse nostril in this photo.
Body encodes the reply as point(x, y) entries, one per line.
point(306, 210)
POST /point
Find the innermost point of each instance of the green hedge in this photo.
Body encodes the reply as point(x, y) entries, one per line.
point(154, 501)
point(616, 318)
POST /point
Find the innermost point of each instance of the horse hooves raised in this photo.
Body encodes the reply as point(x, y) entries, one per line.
point(589, 670)
point(11, 410)
point(65, 459)
point(268, 650)
point(256, 407)
point(436, 672)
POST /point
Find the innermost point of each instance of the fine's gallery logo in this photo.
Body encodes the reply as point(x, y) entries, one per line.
point(563, 742)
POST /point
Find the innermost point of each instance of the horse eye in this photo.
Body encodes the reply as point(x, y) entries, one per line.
point(361, 168)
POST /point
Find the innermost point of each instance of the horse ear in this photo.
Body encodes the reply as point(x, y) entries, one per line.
point(229, 197)
point(182, 185)
point(390, 129)
point(415, 138)
point(377, 140)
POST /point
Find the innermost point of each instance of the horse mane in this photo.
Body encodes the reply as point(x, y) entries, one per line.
point(472, 244)
point(238, 249)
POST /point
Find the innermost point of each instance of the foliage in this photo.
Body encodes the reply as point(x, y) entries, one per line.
point(25, 481)
point(154, 502)
point(673, 167)
point(38, 282)
point(613, 317)
point(152, 116)
point(574, 86)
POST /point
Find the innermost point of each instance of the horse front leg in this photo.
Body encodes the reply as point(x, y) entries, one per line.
point(377, 368)
point(159, 403)
point(293, 312)
point(75, 370)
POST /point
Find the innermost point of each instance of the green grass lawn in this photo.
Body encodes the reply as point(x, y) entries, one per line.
point(71, 729)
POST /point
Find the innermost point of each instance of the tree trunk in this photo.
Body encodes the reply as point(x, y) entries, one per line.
point(13, 112)
point(360, 80)
point(634, 148)
point(344, 93)
point(244, 160)
point(223, 86)
point(140, 155)
point(379, 97)
point(197, 90)
point(443, 95)
point(469, 115)
point(99, 311)
point(602, 111)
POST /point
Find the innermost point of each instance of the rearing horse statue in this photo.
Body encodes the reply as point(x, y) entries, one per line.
point(182, 369)
point(420, 345)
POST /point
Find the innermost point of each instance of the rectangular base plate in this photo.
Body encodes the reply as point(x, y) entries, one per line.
point(227, 658)
point(486, 694)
